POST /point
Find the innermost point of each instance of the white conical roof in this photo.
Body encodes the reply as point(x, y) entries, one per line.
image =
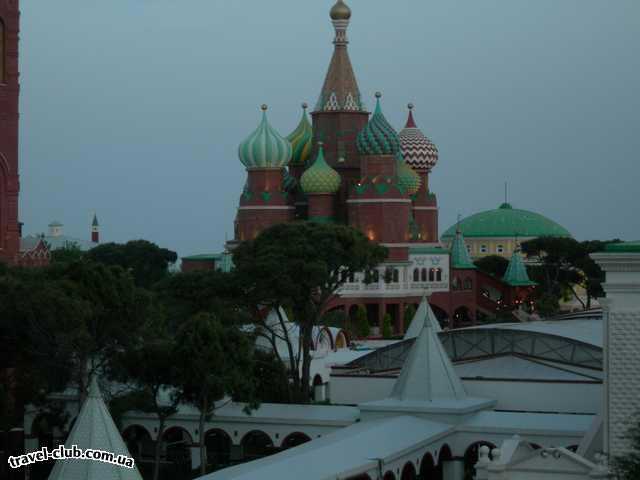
point(95, 429)
point(423, 314)
point(428, 374)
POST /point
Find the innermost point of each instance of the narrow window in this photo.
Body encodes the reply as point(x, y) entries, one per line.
point(396, 275)
point(483, 249)
point(424, 274)
point(416, 275)
point(432, 274)
point(438, 275)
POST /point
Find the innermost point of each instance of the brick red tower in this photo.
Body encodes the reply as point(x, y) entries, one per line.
point(95, 229)
point(422, 155)
point(264, 201)
point(339, 114)
point(9, 91)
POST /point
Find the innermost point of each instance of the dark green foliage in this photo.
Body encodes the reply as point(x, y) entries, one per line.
point(302, 265)
point(627, 467)
point(69, 253)
point(362, 322)
point(387, 329)
point(409, 313)
point(147, 262)
point(271, 379)
point(494, 265)
point(564, 263)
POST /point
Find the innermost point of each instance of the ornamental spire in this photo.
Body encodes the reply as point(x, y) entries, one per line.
point(340, 91)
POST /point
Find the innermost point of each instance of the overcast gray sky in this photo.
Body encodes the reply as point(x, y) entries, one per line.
point(135, 108)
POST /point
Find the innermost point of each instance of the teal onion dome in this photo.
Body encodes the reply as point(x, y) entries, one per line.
point(378, 137)
point(408, 178)
point(300, 140)
point(320, 177)
point(289, 182)
point(265, 147)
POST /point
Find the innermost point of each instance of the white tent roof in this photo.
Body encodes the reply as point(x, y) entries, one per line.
point(423, 313)
point(428, 373)
point(94, 428)
point(343, 453)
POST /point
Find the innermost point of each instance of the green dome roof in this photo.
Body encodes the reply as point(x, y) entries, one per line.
point(408, 178)
point(507, 221)
point(378, 136)
point(265, 147)
point(320, 177)
point(300, 140)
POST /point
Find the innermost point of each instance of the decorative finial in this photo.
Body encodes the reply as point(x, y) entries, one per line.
point(320, 144)
point(340, 11)
point(410, 106)
point(378, 95)
point(264, 107)
point(305, 105)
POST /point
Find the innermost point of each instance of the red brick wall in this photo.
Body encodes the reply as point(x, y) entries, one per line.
point(321, 206)
point(9, 88)
point(195, 265)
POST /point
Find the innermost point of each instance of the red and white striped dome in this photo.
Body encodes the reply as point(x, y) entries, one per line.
point(417, 150)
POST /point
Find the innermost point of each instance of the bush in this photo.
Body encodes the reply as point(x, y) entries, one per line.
point(387, 330)
point(362, 323)
point(409, 313)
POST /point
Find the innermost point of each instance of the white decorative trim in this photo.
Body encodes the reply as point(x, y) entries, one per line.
point(259, 207)
point(381, 200)
point(425, 208)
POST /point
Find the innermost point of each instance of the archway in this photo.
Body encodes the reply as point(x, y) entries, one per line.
point(218, 444)
point(294, 439)
point(256, 444)
point(428, 467)
point(341, 340)
point(389, 475)
point(471, 457)
point(462, 316)
point(408, 472)
point(444, 455)
point(138, 439)
point(176, 448)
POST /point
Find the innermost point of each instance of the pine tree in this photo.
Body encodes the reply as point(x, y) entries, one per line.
point(387, 330)
point(362, 323)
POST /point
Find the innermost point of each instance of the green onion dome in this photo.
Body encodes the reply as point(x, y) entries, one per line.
point(320, 177)
point(408, 178)
point(265, 147)
point(289, 182)
point(378, 137)
point(300, 140)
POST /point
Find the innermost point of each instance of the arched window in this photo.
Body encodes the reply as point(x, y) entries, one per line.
point(423, 274)
point(416, 274)
point(376, 276)
point(3, 52)
point(352, 277)
point(432, 274)
point(455, 283)
point(396, 275)
point(438, 274)
point(468, 284)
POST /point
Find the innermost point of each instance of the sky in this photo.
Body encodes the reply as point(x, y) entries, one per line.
point(134, 109)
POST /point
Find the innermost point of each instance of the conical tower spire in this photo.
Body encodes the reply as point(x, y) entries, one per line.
point(460, 258)
point(428, 374)
point(516, 274)
point(423, 314)
point(340, 91)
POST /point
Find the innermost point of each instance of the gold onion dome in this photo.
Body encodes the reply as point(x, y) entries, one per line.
point(340, 11)
point(320, 177)
point(300, 140)
point(408, 178)
point(265, 147)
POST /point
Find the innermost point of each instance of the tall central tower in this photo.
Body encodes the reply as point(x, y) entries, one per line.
point(339, 114)
point(9, 91)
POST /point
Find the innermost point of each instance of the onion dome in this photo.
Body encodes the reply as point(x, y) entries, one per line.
point(265, 147)
point(418, 151)
point(340, 11)
point(508, 222)
point(289, 182)
point(300, 140)
point(320, 177)
point(408, 178)
point(378, 137)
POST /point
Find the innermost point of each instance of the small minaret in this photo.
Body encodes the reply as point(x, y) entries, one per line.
point(95, 229)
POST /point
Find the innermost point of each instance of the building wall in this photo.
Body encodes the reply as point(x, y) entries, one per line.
point(9, 90)
point(482, 247)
